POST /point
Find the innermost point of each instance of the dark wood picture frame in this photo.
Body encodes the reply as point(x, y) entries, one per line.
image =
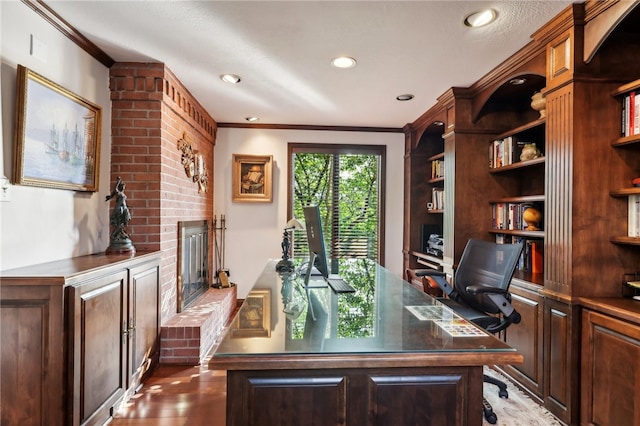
point(57, 135)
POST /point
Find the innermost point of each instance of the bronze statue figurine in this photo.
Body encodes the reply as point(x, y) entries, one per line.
point(119, 241)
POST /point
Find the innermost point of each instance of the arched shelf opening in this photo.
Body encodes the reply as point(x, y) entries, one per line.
point(512, 97)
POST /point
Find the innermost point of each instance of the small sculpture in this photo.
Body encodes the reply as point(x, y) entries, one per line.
point(539, 103)
point(529, 152)
point(119, 241)
point(532, 217)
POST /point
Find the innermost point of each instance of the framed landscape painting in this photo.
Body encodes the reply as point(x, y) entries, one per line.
point(57, 135)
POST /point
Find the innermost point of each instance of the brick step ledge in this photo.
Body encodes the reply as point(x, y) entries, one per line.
point(188, 336)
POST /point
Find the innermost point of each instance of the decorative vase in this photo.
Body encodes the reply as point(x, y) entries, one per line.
point(539, 103)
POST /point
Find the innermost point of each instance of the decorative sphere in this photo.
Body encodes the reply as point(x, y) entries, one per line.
point(533, 217)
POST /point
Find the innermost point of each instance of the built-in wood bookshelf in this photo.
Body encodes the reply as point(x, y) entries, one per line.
point(626, 94)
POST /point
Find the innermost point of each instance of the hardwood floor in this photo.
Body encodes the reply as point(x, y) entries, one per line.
point(178, 395)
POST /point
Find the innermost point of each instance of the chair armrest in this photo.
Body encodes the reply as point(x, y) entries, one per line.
point(429, 272)
point(483, 288)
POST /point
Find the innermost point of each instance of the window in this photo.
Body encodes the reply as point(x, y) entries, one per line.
point(347, 182)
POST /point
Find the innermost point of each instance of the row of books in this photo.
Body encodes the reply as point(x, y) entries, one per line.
point(510, 216)
point(437, 169)
point(503, 152)
point(634, 215)
point(532, 257)
point(437, 199)
point(631, 114)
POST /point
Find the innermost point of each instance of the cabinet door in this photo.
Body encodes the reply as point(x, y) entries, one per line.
point(97, 361)
point(31, 351)
point(144, 320)
point(526, 337)
point(561, 359)
point(610, 371)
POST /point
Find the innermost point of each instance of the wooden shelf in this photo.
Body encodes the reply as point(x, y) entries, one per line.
point(626, 140)
point(625, 192)
point(438, 156)
point(626, 88)
point(427, 260)
point(520, 199)
point(520, 233)
point(518, 165)
point(436, 180)
point(632, 241)
point(522, 128)
point(435, 211)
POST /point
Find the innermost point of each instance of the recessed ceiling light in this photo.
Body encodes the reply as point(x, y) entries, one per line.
point(251, 119)
point(517, 81)
point(479, 19)
point(230, 78)
point(406, 97)
point(343, 62)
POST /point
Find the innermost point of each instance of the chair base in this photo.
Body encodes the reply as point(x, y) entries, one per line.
point(487, 409)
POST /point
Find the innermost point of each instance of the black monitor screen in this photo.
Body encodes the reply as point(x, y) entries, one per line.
point(315, 239)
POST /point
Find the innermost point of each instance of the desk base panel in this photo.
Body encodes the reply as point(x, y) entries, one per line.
point(374, 396)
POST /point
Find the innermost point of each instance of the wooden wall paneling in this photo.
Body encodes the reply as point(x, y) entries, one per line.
point(559, 190)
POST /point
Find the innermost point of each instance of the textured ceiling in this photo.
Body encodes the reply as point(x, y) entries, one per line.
point(282, 52)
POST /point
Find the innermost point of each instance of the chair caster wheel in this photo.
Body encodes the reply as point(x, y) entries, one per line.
point(503, 394)
point(492, 418)
point(487, 410)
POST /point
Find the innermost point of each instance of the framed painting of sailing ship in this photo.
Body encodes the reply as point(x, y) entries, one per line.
point(57, 136)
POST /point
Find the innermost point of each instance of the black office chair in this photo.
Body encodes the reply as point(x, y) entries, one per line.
point(480, 293)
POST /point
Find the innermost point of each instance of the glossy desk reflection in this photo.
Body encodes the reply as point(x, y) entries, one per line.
point(352, 358)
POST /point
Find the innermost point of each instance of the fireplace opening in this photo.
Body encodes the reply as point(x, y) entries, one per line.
point(193, 261)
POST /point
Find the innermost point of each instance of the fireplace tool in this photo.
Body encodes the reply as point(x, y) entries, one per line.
point(222, 274)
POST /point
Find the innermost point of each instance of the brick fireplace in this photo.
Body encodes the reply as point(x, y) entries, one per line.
point(151, 112)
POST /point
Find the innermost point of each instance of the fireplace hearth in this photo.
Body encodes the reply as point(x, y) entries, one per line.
point(193, 261)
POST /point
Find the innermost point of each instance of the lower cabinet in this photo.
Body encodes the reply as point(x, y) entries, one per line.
point(527, 337)
point(562, 359)
point(77, 335)
point(610, 389)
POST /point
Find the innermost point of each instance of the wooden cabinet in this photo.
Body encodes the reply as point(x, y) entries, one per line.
point(610, 366)
point(527, 336)
point(78, 334)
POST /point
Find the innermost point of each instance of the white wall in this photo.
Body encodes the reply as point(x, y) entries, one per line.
point(40, 225)
point(254, 230)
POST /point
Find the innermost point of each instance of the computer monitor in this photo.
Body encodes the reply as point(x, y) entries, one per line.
point(315, 239)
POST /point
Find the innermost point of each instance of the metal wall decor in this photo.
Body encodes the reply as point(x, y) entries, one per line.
point(193, 163)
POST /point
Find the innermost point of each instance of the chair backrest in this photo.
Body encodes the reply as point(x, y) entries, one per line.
point(489, 264)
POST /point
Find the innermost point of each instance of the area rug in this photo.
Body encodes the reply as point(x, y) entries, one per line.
point(518, 409)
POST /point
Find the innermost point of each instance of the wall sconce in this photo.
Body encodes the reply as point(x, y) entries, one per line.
point(285, 264)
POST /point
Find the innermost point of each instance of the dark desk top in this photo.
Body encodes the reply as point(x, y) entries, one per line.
point(281, 320)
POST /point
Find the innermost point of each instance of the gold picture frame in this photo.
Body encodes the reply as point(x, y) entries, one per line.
point(57, 135)
point(254, 317)
point(252, 178)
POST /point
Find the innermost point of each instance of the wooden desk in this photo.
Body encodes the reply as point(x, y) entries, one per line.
point(313, 357)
